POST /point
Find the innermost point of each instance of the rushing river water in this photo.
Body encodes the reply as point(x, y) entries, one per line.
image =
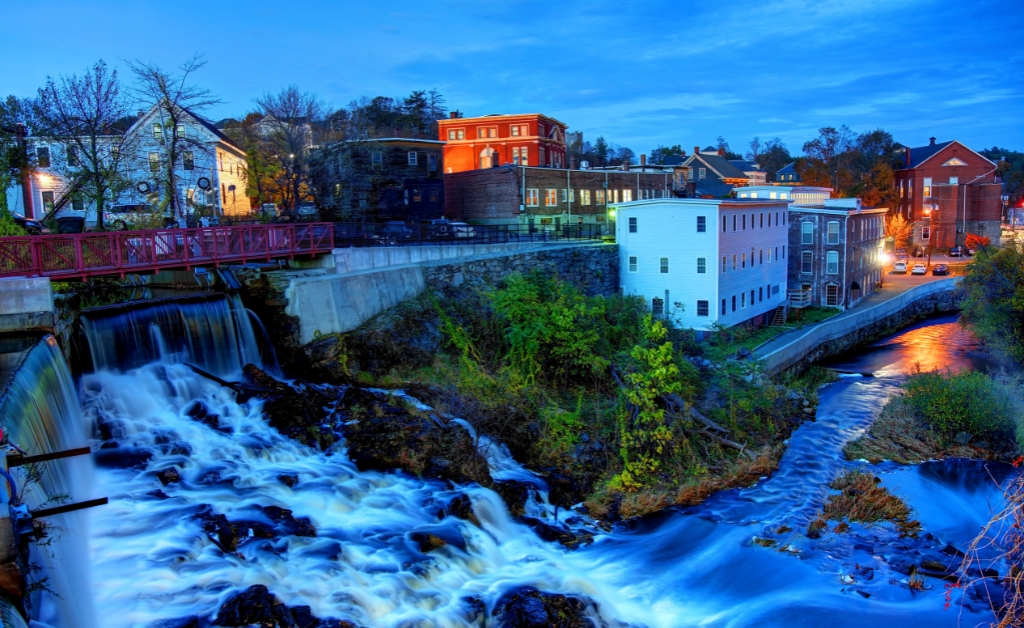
point(696, 566)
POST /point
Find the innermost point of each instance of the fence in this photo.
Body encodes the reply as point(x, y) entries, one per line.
point(93, 254)
point(393, 234)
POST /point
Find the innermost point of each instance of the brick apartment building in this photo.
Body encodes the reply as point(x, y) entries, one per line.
point(547, 198)
point(948, 189)
point(528, 139)
point(836, 250)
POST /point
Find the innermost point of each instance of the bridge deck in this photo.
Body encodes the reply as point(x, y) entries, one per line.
point(82, 255)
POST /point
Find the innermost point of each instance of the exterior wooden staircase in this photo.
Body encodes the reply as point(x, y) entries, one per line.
point(780, 316)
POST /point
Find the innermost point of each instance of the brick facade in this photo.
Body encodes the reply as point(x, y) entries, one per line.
point(529, 139)
point(956, 179)
point(547, 197)
point(842, 269)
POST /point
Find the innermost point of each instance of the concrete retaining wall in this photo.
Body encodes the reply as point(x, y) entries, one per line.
point(26, 304)
point(833, 337)
point(366, 258)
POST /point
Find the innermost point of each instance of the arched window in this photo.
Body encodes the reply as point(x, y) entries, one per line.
point(488, 158)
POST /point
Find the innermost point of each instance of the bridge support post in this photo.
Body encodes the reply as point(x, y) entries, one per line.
point(26, 303)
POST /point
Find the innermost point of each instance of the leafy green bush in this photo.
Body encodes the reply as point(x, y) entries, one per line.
point(7, 225)
point(961, 402)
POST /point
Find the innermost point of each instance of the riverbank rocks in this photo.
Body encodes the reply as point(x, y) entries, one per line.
point(269, 522)
point(383, 436)
point(515, 494)
point(257, 606)
point(527, 607)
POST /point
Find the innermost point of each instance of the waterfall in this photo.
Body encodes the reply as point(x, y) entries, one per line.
point(39, 412)
point(212, 331)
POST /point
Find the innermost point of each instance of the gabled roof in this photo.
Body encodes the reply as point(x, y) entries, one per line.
point(719, 165)
point(922, 154)
point(673, 160)
point(714, 188)
point(787, 169)
point(745, 165)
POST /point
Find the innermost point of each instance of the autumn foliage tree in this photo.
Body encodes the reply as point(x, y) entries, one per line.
point(899, 229)
point(975, 241)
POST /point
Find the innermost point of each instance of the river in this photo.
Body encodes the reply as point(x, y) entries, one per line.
point(682, 567)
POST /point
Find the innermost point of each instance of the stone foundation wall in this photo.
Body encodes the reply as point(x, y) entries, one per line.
point(593, 269)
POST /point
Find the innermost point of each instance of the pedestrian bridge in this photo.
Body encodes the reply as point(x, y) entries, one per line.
point(83, 255)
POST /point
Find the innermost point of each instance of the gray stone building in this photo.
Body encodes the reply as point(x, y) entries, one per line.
point(835, 251)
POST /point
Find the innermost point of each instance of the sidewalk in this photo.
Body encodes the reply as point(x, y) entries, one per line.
point(893, 285)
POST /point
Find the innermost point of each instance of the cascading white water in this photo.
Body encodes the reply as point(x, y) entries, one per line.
point(39, 412)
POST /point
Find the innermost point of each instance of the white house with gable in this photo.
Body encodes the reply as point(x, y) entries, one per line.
point(699, 262)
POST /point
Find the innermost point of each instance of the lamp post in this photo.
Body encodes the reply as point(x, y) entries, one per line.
point(932, 212)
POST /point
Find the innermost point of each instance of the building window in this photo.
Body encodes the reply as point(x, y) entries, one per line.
point(532, 197)
point(807, 233)
point(926, 232)
point(664, 266)
point(832, 262)
point(551, 198)
point(927, 187)
point(743, 262)
point(723, 307)
point(431, 163)
point(413, 158)
point(831, 294)
point(657, 306)
point(725, 263)
point(433, 195)
point(565, 195)
point(633, 265)
point(515, 156)
point(377, 160)
point(188, 160)
point(734, 261)
point(524, 159)
point(627, 196)
point(158, 132)
point(484, 132)
point(180, 131)
point(702, 173)
point(702, 308)
point(762, 220)
point(47, 198)
point(760, 294)
point(599, 197)
point(723, 224)
point(584, 197)
point(154, 162)
point(43, 157)
point(833, 232)
point(632, 224)
point(744, 222)
point(514, 130)
point(743, 300)
point(72, 152)
point(77, 203)
point(807, 262)
point(702, 265)
point(751, 296)
point(734, 222)
point(734, 303)
point(954, 180)
point(760, 256)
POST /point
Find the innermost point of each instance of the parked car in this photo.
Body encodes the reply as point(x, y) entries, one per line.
point(33, 227)
point(461, 230)
point(919, 269)
point(900, 267)
point(306, 210)
point(940, 269)
point(127, 216)
point(956, 251)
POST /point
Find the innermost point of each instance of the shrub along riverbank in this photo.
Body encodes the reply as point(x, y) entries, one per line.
point(610, 405)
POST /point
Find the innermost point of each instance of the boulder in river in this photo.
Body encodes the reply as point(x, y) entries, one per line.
point(527, 607)
point(515, 494)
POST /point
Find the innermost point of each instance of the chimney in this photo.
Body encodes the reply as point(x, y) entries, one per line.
point(141, 112)
point(625, 165)
point(572, 163)
point(696, 150)
point(454, 114)
point(931, 141)
point(683, 153)
point(643, 160)
point(721, 152)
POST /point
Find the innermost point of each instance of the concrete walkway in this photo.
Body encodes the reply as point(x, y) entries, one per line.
point(893, 286)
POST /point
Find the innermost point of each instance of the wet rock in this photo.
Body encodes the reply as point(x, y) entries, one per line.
point(168, 476)
point(180, 449)
point(303, 617)
point(289, 524)
point(559, 534)
point(297, 414)
point(476, 608)
point(218, 528)
point(288, 479)
point(865, 573)
point(427, 542)
point(248, 529)
point(200, 412)
point(256, 605)
point(963, 438)
point(462, 507)
point(382, 436)
point(515, 494)
point(527, 607)
point(953, 551)
point(158, 494)
point(185, 622)
point(863, 594)
point(122, 458)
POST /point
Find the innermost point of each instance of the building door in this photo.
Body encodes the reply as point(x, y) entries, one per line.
point(488, 158)
point(831, 294)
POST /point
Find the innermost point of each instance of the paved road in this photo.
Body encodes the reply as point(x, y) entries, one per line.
point(893, 285)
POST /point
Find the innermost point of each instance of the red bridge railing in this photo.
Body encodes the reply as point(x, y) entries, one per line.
point(120, 252)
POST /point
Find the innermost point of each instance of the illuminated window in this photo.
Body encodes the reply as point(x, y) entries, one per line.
point(627, 196)
point(955, 162)
point(584, 197)
point(927, 191)
point(532, 197)
point(599, 197)
point(551, 198)
point(772, 195)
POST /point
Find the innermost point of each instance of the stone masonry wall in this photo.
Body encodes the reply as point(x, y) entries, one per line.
point(593, 269)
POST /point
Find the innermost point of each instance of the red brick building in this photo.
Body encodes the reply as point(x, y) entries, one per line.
point(948, 189)
point(547, 198)
point(529, 139)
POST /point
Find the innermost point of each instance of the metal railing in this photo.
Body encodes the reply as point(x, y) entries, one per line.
point(94, 254)
point(392, 234)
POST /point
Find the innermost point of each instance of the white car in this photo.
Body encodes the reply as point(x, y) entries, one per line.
point(899, 267)
point(919, 269)
point(461, 230)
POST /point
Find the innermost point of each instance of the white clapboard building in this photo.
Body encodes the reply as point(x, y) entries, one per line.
point(699, 262)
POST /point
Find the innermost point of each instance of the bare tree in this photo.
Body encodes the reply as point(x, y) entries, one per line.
point(80, 113)
point(177, 100)
point(291, 120)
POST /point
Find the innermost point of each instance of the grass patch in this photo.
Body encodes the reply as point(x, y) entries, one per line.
point(731, 340)
point(861, 499)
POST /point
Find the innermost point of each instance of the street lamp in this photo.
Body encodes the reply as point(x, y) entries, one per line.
point(932, 211)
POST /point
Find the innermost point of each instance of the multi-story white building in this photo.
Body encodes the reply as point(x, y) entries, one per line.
point(209, 170)
point(699, 262)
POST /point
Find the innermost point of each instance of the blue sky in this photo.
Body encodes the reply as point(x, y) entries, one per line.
point(641, 74)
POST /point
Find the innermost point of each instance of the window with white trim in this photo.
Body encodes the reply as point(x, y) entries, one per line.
point(702, 265)
point(832, 262)
point(702, 224)
point(702, 308)
point(633, 263)
point(584, 197)
point(807, 232)
point(413, 157)
point(551, 198)
point(831, 294)
point(532, 197)
point(702, 173)
point(664, 265)
point(158, 132)
point(632, 224)
point(807, 262)
point(627, 196)
point(833, 232)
